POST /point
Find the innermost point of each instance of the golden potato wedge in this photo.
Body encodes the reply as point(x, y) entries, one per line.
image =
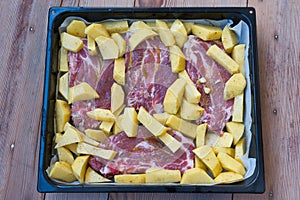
point(91, 45)
point(117, 97)
point(120, 42)
point(200, 134)
point(170, 142)
point(65, 155)
point(228, 177)
point(161, 117)
point(188, 27)
point(185, 127)
point(206, 32)
point(240, 150)
point(179, 32)
point(174, 94)
point(150, 122)
point(190, 111)
point(135, 26)
point(79, 167)
point(57, 137)
point(183, 74)
point(118, 124)
point(84, 148)
point(101, 114)
point(63, 60)
point(223, 59)
point(70, 42)
point(108, 47)
point(139, 36)
point(164, 33)
point(238, 108)
point(63, 85)
point(76, 28)
point(230, 164)
point(62, 171)
point(211, 139)
point(196, 176)
point(82, 91)
point(93, 177)
point(88, 140)
point(116, 27)
point(177, 59)
point(199, 163)
point(192, 94)
point(225, 140)
point(208, 157)
point(96, 135)
point(130, 122)
point(63, 113)
point(72, 147)
point(130, 178)
point(156, 175)
point(229, 39)
point(71, 135)
point(234, 86)
point(236, 129)
point(106, 127)
point(227, 150)
point(238, 55)
point(96, 30)
point(119, 71)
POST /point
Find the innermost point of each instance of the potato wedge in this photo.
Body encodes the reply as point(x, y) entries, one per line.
point(116, 27)
point(130, 178)
point(70, 136)
point(188, 27)
point(161, 117)
point(79, 167)
point(170, 142)
point(238, 55)
point(150, 122)
point(101, 114)
point(135, 26)
point(62, 171)
point(119, 71)
point(199, 163)
point(223, 59)
point(96, 135)
point(58, 137)
point(130, 122)
point(93, 177)
point(106, 127)
point(228, 177)
point(179, 32)
point(120, 42)
point(227, 150)
point(208, 157)
point(240, 150)
point(206, 32)
point(82, 91)
point(192, 94)
point(84, 148)
point(117, 97)
point(238, 108)
point(155, 175)
point(88, 140)
point(139, 36)
point(183, 74)
point(225, 140)
point(164, 33)
point(174, 94)
point(96, 30)
point(91, 45)
point(76, 28)
point(70, 42)
point(63, 60)
point(177, 59)
point(211, 139)
point(185, 127)
point(65, 155)
point(108, 47)
point(63, 113)
point(231, 164)
point(200, 134)
point(234, 86)
point(236, 129)
point(72, 147)
point(196, 176)
point(229, 39)
point(118, 125)
point(63, 85)
point(190, 111)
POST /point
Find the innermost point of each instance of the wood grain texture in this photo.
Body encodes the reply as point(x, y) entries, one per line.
point(76, 196)
point(21, 75)
point(279, 58)
point(190, 3)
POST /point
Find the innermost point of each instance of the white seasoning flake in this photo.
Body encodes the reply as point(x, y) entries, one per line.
point(206, 90)
point(202, 80)
point(218, 81)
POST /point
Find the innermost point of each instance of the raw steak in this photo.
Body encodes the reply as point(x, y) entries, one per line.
point(148, 75)
point(136, 155)
point(86, 68)
point(217, 110)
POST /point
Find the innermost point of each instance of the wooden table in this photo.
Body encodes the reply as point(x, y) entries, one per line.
point(22, 57)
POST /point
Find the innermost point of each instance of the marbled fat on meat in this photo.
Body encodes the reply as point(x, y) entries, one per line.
point(217, 111)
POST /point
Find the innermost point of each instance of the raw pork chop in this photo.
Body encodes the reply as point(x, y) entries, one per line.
point(86, 68)
point(148, 75)
point(217, 110)
point(136, 155)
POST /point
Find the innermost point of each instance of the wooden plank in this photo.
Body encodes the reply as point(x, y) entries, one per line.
point(189, 3)
point(23, 35)
point(279, 57)
point(75, 196)
point(106, 3)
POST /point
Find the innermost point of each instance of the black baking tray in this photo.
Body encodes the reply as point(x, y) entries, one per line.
point(253, 184)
